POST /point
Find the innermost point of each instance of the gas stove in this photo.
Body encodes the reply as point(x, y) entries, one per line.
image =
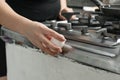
point(94, 30)
point(95, 39)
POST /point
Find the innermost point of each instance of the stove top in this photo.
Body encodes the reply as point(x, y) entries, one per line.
point(94, 36)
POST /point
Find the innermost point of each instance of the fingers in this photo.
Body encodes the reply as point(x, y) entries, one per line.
point(62, 17)
point(65, 11)
point(47, 43)
point(45, 48)
point(48, 51)
point(44, 44)
point(73, 17)
point(57, 36)
point(37, 36)
point(49, 33)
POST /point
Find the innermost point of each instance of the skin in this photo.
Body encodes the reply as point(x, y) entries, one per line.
point(34, 31)
point(3, 78)
point(64, 8)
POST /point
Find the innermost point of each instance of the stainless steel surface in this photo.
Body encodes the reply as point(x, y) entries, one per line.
point(94, 50)
point(93, 41)
point(66, 49)
point(100, 61)
point(114, 1)
point(117, 42)
point(82, 54)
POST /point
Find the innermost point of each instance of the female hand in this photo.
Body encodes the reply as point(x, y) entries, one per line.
point(35, 32)
point(40, 36)
point(65, 10)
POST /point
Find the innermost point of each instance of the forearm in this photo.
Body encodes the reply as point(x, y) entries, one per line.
point(11, 19)
point(63, 4)
point(37, 33)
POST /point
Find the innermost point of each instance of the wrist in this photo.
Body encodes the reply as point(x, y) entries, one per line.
point(22, 25)
point(63, 4)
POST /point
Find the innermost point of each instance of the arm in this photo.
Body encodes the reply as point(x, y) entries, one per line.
point(35, 32)
point(10, 19)
point(63, 4)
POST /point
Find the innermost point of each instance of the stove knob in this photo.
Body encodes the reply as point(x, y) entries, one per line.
point(84, 30)
point(54, 25)
point(66, 26)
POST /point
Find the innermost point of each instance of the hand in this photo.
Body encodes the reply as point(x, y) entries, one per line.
point(66, 10)
point(40, 36)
